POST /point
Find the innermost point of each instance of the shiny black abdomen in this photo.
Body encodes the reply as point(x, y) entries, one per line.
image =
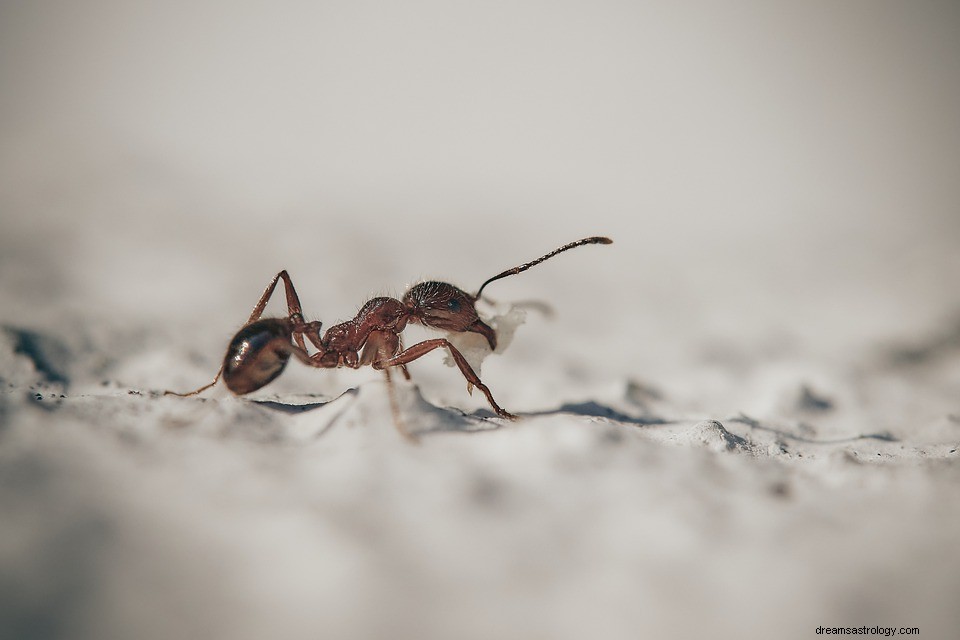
point(256, 355)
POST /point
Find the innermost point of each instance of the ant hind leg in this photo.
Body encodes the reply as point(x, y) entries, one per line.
point(294, 312)
point(216, 379)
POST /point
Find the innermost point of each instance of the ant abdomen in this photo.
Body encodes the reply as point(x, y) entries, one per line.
point(257, 355)
point(443, 306)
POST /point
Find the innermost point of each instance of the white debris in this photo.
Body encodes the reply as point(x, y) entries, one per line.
point(474, 347)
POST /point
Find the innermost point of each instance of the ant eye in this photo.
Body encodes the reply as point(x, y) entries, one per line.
point(453, 304)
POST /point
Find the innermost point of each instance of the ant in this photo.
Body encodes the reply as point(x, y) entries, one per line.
point(258, 353)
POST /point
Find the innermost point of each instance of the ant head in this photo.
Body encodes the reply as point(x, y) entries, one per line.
point(441, 305)
point(257, 355)
point(444, 306)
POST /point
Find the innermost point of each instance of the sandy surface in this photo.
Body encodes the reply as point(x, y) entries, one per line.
point(742, 419)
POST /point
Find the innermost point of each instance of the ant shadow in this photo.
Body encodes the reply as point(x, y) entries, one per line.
point(453, 420)
point(290, 409)
point(593, 409)
point(301, 408)
point(486, 420)
point(424, 418)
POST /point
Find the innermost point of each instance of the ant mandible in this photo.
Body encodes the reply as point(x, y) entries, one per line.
point(259, 352)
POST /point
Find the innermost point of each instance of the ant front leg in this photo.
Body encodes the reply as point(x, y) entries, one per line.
point(294, 313)
point(403, 367)
point(425, 347)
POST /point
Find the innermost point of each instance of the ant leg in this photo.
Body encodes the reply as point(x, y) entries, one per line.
point(425, 347)
point(306, 358)
point(293, 311)
point(216, 378)
point(403, 367)
point(398, 421)
point(312, 331)
point(314, 361)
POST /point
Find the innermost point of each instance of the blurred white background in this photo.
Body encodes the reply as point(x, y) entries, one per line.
point(781, 180)
point(771, 172)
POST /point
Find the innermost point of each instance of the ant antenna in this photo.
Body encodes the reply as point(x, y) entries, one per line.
point(527, 265)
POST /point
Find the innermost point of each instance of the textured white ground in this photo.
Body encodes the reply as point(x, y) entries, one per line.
point(742, 419)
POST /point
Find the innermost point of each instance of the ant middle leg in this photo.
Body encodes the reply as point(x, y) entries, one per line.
point(398, 420)
point(402, 367)
point(422, 348)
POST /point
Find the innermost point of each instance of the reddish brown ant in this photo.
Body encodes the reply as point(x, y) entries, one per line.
point(260, 350)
